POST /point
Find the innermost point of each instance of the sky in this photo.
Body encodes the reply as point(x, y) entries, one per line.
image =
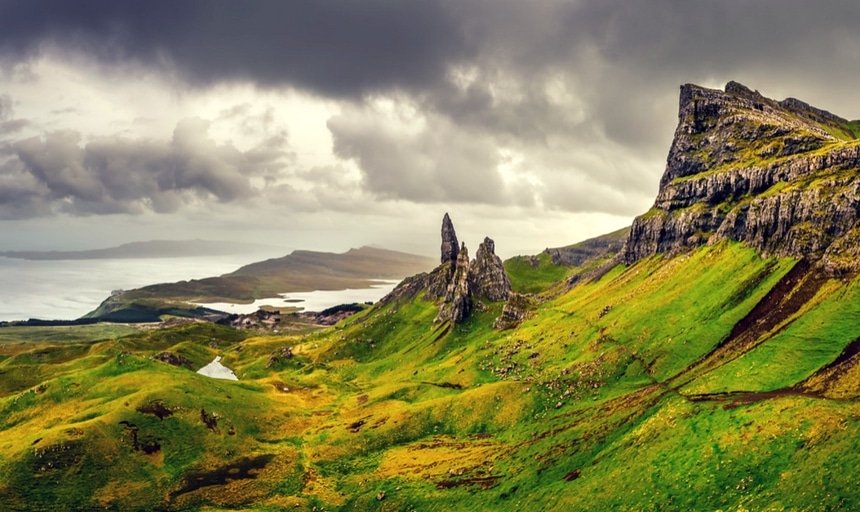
point(335, 124)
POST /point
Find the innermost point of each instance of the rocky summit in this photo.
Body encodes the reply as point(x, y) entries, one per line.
point(482, 278)
point(779, 176)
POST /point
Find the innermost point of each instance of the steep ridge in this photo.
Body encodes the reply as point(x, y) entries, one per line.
point(781, 177)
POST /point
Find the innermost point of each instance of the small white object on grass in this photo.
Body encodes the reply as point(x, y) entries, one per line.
point(216, 370)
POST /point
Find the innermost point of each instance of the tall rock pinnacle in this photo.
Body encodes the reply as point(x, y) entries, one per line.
point(459, 285)
point(450, 245)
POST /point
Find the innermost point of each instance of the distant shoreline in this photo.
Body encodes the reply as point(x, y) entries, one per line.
point(36, 322)
point(149, 249)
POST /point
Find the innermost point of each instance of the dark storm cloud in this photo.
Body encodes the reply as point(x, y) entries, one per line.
point(120, 175)
point(347, 48)
point(334, 47)
point(585, 92)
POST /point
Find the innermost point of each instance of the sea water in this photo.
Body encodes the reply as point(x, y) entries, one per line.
point(312, 301)
point(68, 289)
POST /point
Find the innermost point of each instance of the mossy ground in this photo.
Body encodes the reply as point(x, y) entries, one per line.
point(576, 409)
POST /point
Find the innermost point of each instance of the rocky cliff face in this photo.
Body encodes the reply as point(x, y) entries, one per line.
point(780, 176)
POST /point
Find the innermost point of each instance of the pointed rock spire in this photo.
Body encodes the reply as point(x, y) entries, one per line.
point(450, 246)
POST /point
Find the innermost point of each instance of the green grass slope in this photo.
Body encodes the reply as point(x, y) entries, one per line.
point(661, 386)
point(540, 273)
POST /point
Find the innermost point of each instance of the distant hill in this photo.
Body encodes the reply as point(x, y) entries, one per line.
point(147, 249)
point(299, 271)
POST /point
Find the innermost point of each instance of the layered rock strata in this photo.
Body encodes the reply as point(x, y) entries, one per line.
point(779, 176)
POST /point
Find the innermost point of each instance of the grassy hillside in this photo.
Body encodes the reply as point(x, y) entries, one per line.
point(534, 274)
point(662, 386)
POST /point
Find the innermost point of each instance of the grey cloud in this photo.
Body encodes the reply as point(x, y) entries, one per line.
point(58, 162)
point(436, 162)
point(614, 53)
point(9, 125)
point(268, 158)
point(66, 110)
point(20, 193)
point(576, 192)
point(13, 126)
point(5, 107)
point(585, 91)
point(119, 175)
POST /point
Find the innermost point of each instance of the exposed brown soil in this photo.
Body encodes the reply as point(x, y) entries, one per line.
point(484, 482)
point(242, 469)
point(448, 385)
point(830, 373)
point(173, 359)
point(355, 426)
point(156, 408)
point(573, 475)
point(210, 420)
point(796, 288)
point(738, 398)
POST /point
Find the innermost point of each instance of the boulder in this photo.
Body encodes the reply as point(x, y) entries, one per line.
point(514, 312)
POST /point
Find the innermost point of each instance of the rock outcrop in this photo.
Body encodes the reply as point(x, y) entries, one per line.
point(514, 312)
point(604, 246)
point(487, 274)
point(458, 299)
point(457, 283)
point(779, 176)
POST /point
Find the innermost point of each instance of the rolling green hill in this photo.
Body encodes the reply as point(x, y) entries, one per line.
point(692, 367)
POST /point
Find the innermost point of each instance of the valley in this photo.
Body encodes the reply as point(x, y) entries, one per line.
point(706, 358)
